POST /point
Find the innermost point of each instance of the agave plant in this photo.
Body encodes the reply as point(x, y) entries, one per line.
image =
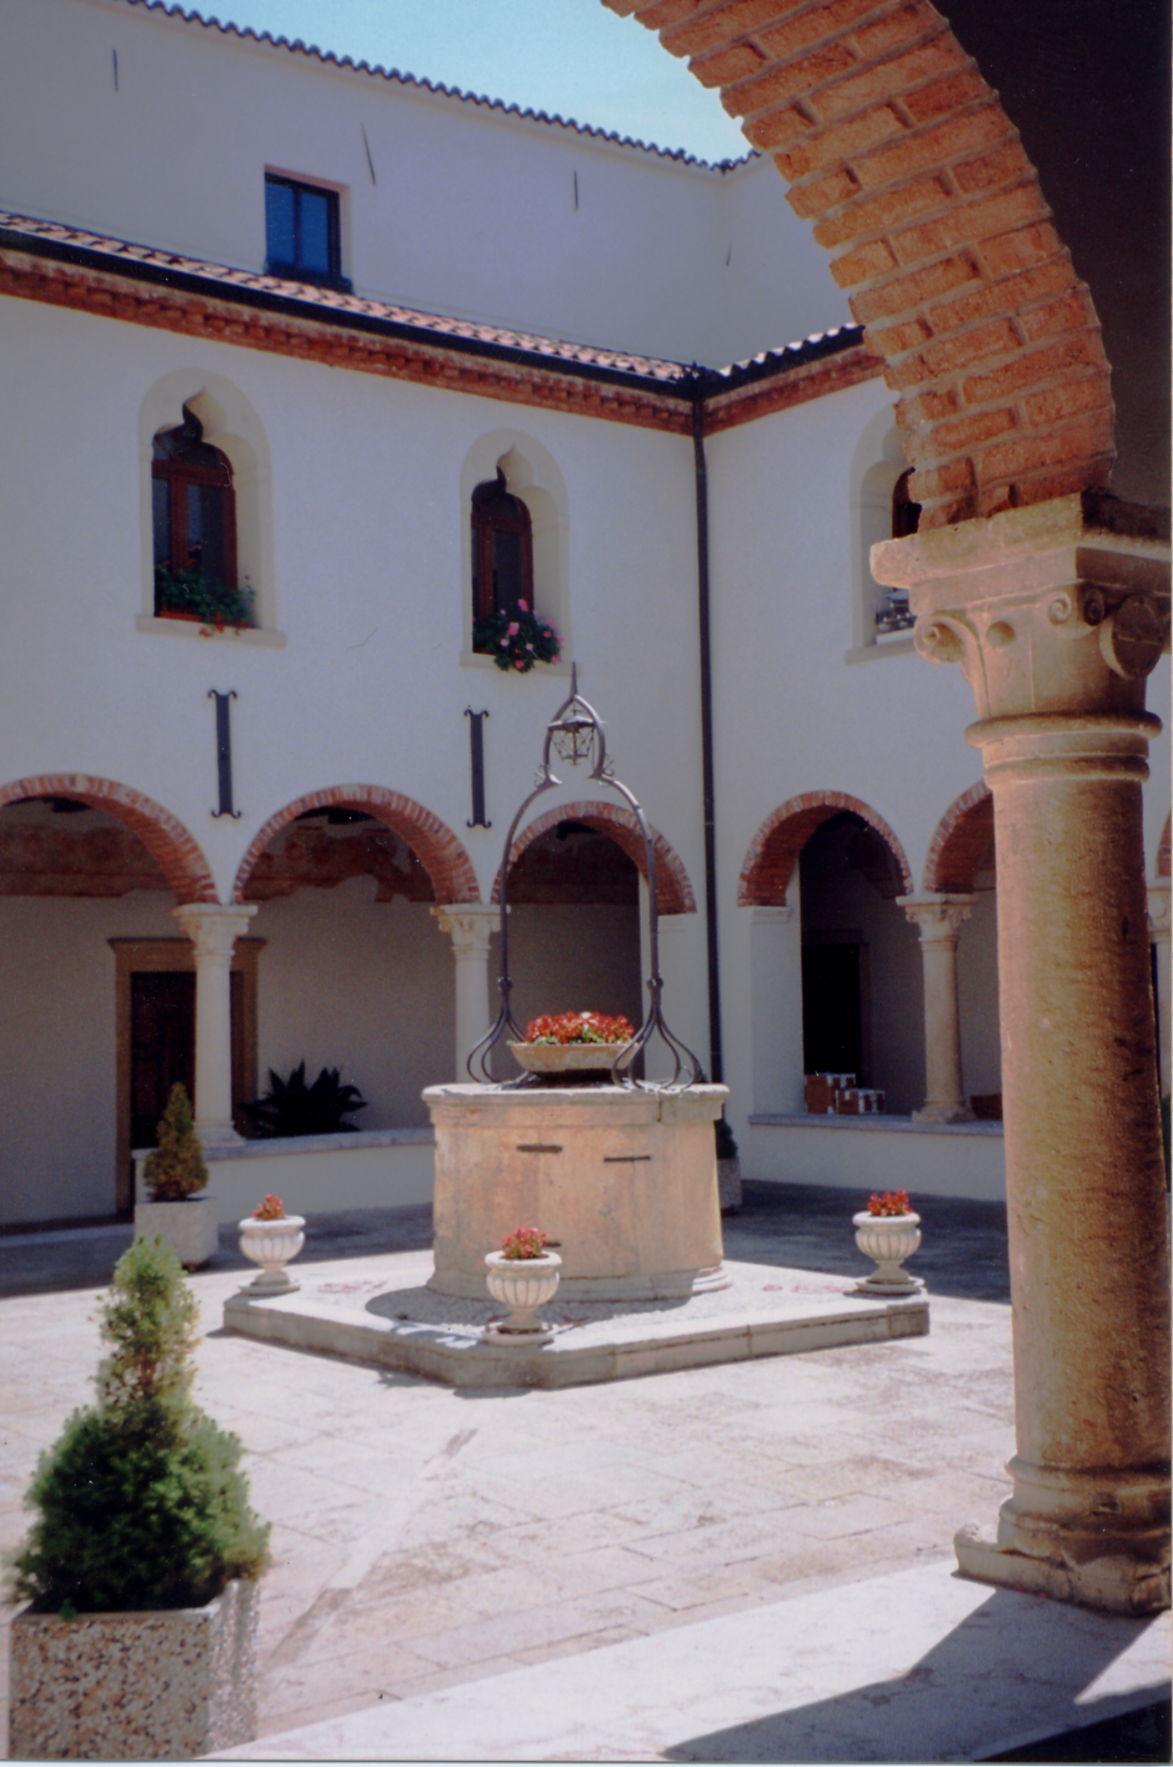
point(295, 1107)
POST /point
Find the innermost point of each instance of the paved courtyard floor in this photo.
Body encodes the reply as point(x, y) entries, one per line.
point(427, 1537)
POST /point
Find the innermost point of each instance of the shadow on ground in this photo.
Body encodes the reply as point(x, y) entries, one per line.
point(808, 1227)
point(794, 1226)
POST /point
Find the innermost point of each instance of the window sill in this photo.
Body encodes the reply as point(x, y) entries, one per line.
point(868, 653)
point(477, 659)
point(256, 635)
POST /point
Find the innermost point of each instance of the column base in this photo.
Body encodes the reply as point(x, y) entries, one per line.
point(218, 1135)
point(1129, 1580)
point(943, 1113)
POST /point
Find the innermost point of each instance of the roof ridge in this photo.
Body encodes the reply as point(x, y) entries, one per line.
point(298, 46)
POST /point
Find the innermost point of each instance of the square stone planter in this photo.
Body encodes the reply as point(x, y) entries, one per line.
point(189, 1227)
point(166, 1685)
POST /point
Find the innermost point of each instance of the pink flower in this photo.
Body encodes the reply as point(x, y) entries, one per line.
point(512, 629)
point(520, 663)
point(523, 605)
point(503, 643)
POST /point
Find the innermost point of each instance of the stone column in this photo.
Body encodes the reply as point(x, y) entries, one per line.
point(1159, 930)
point(775, 945)
point(1056, 613)
point(938, 919)
point(469, 925)
point(213, 932)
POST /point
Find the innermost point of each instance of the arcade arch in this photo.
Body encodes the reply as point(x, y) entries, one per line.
point(350, 881)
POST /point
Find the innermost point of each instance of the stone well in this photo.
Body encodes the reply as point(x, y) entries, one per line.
point(624, 1179)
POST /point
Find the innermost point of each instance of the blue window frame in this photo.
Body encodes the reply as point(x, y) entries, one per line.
point(302, 232)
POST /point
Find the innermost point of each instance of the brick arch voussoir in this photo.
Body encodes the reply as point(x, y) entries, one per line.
point(438, 850)
point(773, 853)
point(172, 846)
point(918, 186)
point(1163, 850)
point(960, 842)
point(674, 893)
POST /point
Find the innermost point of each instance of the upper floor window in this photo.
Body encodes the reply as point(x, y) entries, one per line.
point(893, 613)
point(193, 506)
point(302, 235)
point(502, 551)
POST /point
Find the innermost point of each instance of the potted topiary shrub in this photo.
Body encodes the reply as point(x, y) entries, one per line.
point(141, 1567)
point(175, 1178)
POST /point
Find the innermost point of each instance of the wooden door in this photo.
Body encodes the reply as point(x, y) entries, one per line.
point(162, 1046)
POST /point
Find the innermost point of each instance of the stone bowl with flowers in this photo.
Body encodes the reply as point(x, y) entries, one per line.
point(887, 1232)
point(568, 1048)
point(522, 1276)
point(270, 1237)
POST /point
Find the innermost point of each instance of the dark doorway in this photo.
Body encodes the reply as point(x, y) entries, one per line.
point(832, 1010)
point(162, 1046)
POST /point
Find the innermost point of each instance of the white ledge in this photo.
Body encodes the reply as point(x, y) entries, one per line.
point(870, 1120)
point(261, 1146)
point(262, 635)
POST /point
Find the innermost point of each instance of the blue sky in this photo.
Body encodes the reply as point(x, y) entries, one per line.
point(571, 57)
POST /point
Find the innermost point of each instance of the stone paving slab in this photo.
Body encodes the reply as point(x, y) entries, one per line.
point(914, 1666)
point(401, 1324)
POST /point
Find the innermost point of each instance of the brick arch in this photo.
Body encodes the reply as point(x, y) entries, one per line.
point(170, 844)
point(439, 852)
point(961, 841)
point(673, 889)
point(773, 852)
point(917, 183)
point(1163, 851)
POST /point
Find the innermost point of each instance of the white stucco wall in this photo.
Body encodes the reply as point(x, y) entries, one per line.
point(469, 211)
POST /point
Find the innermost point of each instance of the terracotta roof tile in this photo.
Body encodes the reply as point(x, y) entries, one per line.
point(17, 231)
point(188, 15)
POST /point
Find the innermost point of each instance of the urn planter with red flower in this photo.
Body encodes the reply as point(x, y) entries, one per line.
point(522, 1276)
point(887, 1232)
point(270, 1238)
point(562, 1045)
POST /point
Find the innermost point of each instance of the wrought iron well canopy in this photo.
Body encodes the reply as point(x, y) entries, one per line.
point(575, 735)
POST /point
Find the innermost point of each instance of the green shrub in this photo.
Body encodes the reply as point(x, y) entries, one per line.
point(176, 1167)
point(141, 1502)
point(294, 1107)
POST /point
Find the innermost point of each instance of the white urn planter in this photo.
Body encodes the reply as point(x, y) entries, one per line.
point(887, 1240)
point(272, 1244)
point(523, 1285)
point(171, 1684)
point(560, 1060)
point(188, 1225)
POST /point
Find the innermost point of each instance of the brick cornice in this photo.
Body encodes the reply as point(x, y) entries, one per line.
point(794, 386)
point(456, 365)
point(335, 344)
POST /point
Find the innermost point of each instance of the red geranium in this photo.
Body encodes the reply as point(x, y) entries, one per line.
point(579, 1027)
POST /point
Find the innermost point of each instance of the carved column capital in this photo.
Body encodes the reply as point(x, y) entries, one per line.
point(1160, 923)
point(1059, 607)
point(469, 925)
point(937, 918)
point(214, 929)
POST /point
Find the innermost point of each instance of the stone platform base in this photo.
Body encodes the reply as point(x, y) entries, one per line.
point(393, 1320)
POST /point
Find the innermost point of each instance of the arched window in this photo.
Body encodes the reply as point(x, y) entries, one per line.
point(194, 526)
point(893, 613)
point(502, 551)
point(905, 513)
